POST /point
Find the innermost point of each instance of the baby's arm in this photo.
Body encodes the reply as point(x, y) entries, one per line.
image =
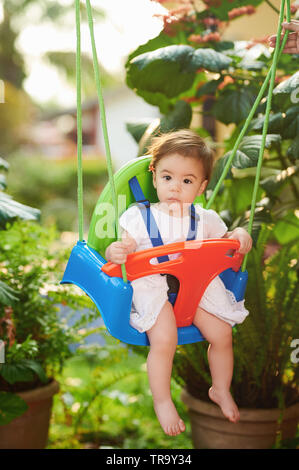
point(117, 252)
point(244, 238)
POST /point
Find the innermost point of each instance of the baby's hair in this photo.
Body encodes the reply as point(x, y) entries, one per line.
point(184, 142)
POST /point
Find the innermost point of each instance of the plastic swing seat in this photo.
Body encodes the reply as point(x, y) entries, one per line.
point(199, 262)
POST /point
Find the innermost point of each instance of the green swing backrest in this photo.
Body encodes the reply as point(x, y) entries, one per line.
point(98, 236)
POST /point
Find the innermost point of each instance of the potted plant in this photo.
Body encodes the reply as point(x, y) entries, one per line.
point(219, 81)
point(34, 340)
point(265, 374)
point(35, 336)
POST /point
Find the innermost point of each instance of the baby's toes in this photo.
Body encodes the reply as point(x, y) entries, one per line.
point(176, 429)
point(182, 425)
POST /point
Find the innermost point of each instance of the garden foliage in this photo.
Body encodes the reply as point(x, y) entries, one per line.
point(181, 70)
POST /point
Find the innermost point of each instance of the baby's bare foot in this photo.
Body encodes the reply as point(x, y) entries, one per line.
point(168, 417)
point(227, 404)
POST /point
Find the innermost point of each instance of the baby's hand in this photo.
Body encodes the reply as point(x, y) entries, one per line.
point(117, 252)
point(244, 238)
point(292, 43)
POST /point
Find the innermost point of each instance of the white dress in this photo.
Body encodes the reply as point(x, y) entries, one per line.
point(150, 292)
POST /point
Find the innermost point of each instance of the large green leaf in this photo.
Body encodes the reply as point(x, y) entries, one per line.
point(208, 88)
point(171, 70)
point(246, 156)
point(23, 371)
point(10, 209)
point(286, 124)
point(178, 118)
point(163, 40)
point(275, 124)
point(273, 184)
point(210, 60)
point(137, 129)
point(3, 164)
point(286, 93)
point(234, 104)
point(291, 123)
point(8, 296)
point(2, 182)
point(248, 152)
point(11, 406)
point(293, 150)
point(17, 372)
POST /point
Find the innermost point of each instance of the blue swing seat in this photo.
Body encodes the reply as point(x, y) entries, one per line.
point(112, 296)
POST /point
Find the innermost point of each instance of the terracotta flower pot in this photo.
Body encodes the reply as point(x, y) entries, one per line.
point(257, 428)
point(30, 430)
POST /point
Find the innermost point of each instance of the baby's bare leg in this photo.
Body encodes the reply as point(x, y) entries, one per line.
point(163, 341)
point(220, 355)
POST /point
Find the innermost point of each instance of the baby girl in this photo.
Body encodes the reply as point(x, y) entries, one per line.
point(181, 165)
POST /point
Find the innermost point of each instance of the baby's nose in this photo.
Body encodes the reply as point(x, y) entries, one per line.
point(175, 185)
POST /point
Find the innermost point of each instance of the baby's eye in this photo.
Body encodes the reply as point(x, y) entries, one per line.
point(167, 177)
point(187, 181)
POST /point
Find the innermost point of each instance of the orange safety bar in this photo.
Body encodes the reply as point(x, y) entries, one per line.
point(199, 262)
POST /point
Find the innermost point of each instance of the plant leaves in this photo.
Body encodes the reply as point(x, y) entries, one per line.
point(261, 216)
point(286, 124)
point(291, 123)
point(11, 406)
point(170, 71)
point(273, 184)
point(163, 40)
point(3, 164)
point(248, 152)
point(286, 93)
point(17, 372)
point(8, 296)
point(23, 371)
point(10, 209)
point(238, 101)
point(246, 156)
point(293, 150)
point(2, 182)
point(217, 172)
point(178, 118)
point(275, 124)
point(137, 129)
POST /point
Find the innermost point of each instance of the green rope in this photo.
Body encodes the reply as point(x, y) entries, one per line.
point(247, 122)
point(270, 77)
point(104, 124)
point(79, 123)
point(266, 122)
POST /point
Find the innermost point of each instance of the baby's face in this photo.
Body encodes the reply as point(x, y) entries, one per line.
point(179, 180)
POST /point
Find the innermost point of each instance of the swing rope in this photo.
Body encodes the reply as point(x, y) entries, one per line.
point(99, 87)
point(79, 123)
point(266, 120)
point(269, 78)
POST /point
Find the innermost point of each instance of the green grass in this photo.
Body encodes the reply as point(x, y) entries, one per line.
point(96, 408)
